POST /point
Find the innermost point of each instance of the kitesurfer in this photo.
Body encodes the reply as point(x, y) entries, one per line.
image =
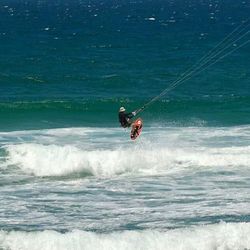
point(125, 118)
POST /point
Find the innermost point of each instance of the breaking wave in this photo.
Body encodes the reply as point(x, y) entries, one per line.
point(223, 236)
point(56, 160)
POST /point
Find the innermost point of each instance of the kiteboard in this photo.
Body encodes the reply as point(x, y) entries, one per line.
point(136, 128)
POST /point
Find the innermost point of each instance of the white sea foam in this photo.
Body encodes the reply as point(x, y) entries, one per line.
point(50, 160)
point(223, 236)
point(108, 151)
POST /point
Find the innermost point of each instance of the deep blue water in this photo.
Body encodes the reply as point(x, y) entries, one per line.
point(97, 55)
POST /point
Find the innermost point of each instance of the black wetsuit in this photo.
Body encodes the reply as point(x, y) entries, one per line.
point(124, 119)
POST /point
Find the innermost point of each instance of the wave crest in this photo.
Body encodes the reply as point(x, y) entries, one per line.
point(223, 236)
point(54, 160)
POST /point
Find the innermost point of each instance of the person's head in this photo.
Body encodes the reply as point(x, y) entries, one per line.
point(122, 109)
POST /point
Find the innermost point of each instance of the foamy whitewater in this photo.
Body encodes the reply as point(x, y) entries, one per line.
point(99, 152)
point(85, 188)
point(221, 237)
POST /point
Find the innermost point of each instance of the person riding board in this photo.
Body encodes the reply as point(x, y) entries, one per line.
point(126, 122)
point(125, 118)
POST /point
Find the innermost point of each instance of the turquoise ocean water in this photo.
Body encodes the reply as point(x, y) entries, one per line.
point(70, 177)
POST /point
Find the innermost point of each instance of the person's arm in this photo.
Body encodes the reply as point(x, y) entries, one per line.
point(131, 115)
